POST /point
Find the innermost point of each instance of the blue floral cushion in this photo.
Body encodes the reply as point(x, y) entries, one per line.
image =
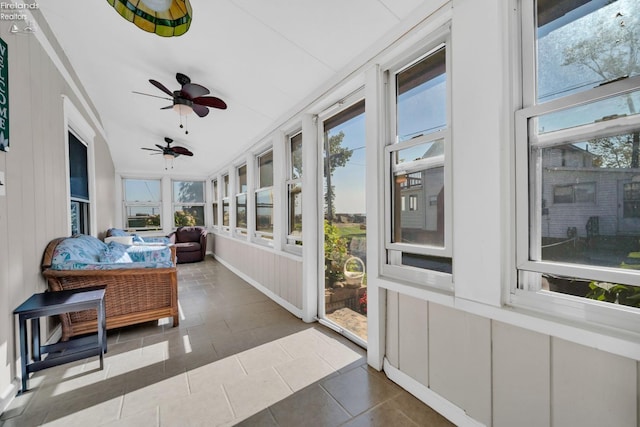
point(116, 253)
point(75, 265)
point(153, 254)
point(115, 232)
point(80, 248)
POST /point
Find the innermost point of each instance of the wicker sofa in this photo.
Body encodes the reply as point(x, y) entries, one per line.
point(141, 285)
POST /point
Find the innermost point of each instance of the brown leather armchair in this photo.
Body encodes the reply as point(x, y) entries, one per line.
point(190, 242)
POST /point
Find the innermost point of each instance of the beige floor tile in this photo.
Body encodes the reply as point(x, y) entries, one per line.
point(304, 371)
point(265, 356)
point(256, 392)
point(212, 375)
point(202, 410)
point(140, 397)
point(83, 412)
point(148, 418)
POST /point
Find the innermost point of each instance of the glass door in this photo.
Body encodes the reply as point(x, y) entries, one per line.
point(344, 305)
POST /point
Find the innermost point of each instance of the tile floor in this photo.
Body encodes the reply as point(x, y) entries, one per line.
point(237, 358)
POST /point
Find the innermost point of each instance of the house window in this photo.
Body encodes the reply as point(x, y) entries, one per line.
point(214, 197)
point(418, 237)
point(241, 201)
point(79, 185)
point(575, 193)
point(264, 196)
point(294, 191)
point(413, 202)
point(188, 203)
point(225, 202)
point(579, 130)
point(142, 204)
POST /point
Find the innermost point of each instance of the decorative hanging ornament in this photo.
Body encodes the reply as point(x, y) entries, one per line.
point(166, 18)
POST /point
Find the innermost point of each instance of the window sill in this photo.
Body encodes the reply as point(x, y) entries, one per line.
point(609, 327)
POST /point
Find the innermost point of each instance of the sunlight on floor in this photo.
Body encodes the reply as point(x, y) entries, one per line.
point(222, 392)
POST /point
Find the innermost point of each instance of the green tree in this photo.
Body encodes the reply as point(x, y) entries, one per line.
point(335, 156)
point(612, 52)
point(335, 254)
point(183, 218)
point(611, 152)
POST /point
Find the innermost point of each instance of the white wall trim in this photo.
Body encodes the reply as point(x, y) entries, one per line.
point(277, 299)
point(441, 405)
point(50, 51)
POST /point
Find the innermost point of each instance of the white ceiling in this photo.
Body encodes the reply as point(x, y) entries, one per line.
point(264, 58)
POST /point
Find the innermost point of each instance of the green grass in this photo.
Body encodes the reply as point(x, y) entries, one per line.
point(350, 230)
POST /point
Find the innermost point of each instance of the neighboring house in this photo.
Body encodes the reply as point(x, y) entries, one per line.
point(577, 194)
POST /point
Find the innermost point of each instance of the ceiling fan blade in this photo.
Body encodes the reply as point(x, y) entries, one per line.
point(148, 94)
point(210, 101)
point(193, 90)
point(161, 87)
point(182, 79)
point(160, 147)
point(200, 110)
point(182, 150)
point(150, 149)
point(167, 107)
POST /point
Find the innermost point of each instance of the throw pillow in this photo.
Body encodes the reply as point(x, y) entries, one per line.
point(115, 253)
point(125, 240)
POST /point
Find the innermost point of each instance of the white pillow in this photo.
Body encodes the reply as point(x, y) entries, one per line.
point(125, 240)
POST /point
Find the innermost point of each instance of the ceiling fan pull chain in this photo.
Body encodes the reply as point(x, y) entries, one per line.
point(186, 129)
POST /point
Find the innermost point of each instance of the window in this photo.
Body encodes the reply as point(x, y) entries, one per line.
point(241, 201)
point(294, 191)
point(214, 189)
point(225, 202)
point(188, 203)
point(79, 185)
point(142, 204)
point(264, 196)
point(575, 193)
point(418, 226)
point(579, 132)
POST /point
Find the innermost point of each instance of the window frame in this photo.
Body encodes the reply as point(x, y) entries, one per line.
point(526, 290)
point(126, 204)
point(293, 243)
point(262, 236)
point(392, 252)
point(215, 202)
point(239, 193)
point(84, 205)
point(202, 204)
point(226, 200)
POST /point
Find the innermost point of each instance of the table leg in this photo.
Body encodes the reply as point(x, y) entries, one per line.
point(102, 336)
point(35, 339)
point(23, 352)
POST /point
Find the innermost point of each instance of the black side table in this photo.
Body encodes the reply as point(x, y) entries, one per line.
point(50, 304)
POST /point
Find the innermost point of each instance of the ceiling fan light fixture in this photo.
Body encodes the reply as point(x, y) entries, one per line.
point(183, 107)
point(174, 21)
point(168, 156)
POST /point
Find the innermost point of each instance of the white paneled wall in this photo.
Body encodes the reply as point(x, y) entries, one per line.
point(277, 274)
point(502, 375)
point(34, 209)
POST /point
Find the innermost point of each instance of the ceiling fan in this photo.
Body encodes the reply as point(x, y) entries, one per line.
point(169, 152)
point(189, 98)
